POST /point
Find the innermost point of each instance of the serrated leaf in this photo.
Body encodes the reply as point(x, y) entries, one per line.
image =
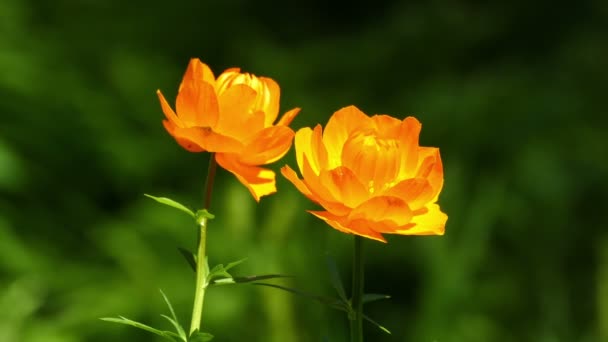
point(200, 337)
point(247, 279)
point(123, 320)
point(173, 319)
point(172, 203)
point(336, 280)
point(372, 297)
point(331, 302)
point(189, 256)
point(376, 324)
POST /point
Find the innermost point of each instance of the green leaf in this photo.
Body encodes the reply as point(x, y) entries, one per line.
point(247, 279)
point(172, 203)
point(173, 319)
point(200, 337)
point(331, 302)
point(234, 264)
point(376, 324)
point(123, 320)
point(372, 297)
point(334, 277)
point(189, 256)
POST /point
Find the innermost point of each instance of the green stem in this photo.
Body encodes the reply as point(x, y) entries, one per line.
point(356, 323)
point(202, 269)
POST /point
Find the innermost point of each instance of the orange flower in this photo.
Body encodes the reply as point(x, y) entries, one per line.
point(370, 175)
point(233, 117)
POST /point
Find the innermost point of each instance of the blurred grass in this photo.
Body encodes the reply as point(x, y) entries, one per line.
point(513, 94)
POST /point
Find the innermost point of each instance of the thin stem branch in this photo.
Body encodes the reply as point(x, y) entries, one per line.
point(202, 269)
point(356, 323)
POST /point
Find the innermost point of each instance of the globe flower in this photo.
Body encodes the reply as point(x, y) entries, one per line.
point(232, 116)
point(370, 175)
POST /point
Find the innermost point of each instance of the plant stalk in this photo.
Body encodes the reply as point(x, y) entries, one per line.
point(356, 322)
point(202, 269)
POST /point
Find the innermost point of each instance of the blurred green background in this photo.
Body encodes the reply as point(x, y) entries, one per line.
point(514, 93)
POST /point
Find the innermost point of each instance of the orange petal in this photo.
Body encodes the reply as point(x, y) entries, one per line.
point(432, 222)
point(260, 182)
point(168, 111)
point(235, 109)
point(386, 126)
point(383, 208)
point(185, 137)
point(197, 104)
point(197, 72)
point(341, 124)
point(288, 117)
point(197, 139)
point(309, 143)
point(431, 168)
point(408, 141)
point(291, 176)
point(339, 223)
point(272, 97)
point(416, 192)
point(344, 185)
point(322, 195)
point(267, 146)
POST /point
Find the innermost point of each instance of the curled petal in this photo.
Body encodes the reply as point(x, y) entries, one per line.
point(309, 144)
point(323, 196)
point(168, 111)
point(267, 146)
point(185, 137)
point(288, 117)
point(431, 167)
point(430, 222)
point(387, 127)
point(416, 192)
point(340, 223)
point(291, 176)
point(381, 209)
point(197, 139)
point(271, 99)
point(259, 181)
point(344, 185)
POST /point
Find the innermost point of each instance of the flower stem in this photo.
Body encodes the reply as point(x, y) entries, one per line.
point(202, 269)
point(356, 323)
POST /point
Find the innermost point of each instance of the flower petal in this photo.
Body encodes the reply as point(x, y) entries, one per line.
point(431, 222)
point(198, 72)
point(339, 127)
point(381, 209)
point(339, 223)
point(197, 105)
point(267, 146)
point(198, 139)
point(416, 192)
point(387, 127)
point(288, 117)
point(259, 181)
point(408, 144)
point(431, 167)
point(324, 197)
point(235, 109)
point(291, 176)
point(272, 97)
point(309, 143)
point(344, 185)
point(168, 111)
point(186, 138)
